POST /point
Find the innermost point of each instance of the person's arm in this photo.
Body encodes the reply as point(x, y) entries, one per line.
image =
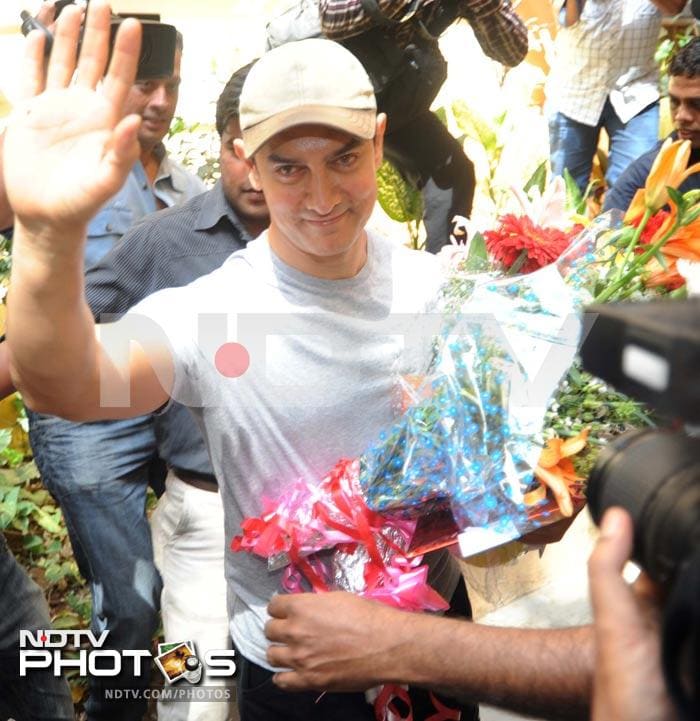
point(628, 682)
point(6, 215)
point(670, 7)
point(338, 641)
point(67, 151)
point(501, 34)
point(6, 385)
point(344, 19)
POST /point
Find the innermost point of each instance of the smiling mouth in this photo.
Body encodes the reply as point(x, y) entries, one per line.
point(326, 221)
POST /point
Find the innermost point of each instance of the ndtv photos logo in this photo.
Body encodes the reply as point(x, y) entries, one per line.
point(58, 651)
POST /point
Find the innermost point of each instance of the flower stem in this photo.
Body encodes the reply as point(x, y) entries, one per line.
point(607, 293)
point(634, 241)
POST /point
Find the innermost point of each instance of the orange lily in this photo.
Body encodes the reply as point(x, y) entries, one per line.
point(684, 243)
point(555, 470)
point(669, 169)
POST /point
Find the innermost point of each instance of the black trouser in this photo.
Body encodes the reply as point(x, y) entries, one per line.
point(432, 160)
point(260, 700)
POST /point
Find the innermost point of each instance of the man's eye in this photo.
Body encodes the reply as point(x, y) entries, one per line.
point(673, 102)
point(145, 86)
point(345, 161)
point(287, 171)
point(695, 104)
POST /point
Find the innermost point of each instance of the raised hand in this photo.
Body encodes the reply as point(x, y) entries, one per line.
point(68, 148)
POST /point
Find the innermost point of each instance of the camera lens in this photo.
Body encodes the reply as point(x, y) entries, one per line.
point(655, 476)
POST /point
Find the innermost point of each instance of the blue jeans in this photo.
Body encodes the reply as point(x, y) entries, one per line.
point(38, 696)
point(99, 474)
point(573, 144)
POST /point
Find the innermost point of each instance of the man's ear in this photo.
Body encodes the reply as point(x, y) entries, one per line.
point(253, 175)
point(379, 130)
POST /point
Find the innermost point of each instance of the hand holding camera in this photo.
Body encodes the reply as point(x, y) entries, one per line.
point(628, 685)
point(68, 148)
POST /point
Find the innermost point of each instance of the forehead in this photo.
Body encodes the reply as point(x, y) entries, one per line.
point(681, 86)
point(304, 140)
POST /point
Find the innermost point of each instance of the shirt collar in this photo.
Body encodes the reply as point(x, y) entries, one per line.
point(167, 170)
point(214, 208)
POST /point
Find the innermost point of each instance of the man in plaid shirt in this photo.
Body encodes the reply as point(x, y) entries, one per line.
point(605, 76)
point(420, 146)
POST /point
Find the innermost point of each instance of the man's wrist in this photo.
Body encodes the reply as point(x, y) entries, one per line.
point(59, 242)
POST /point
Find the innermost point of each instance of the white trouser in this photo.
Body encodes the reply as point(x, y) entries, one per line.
point(188, 545)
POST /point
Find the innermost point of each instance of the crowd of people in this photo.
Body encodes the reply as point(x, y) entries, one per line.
point(107, 228)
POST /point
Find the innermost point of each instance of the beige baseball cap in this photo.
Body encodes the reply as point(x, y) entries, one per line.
point(310, 81)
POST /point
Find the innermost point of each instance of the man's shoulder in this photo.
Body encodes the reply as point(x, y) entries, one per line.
point(162, 221)
point(631, 179)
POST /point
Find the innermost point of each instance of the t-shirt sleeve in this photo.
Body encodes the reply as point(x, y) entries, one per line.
point(166, 318)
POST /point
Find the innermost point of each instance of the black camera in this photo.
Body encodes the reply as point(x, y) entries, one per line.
point(651, 351)
point(158, 41)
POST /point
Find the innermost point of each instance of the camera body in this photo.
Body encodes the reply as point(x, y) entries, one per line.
point(651, 351)
point(158, 41)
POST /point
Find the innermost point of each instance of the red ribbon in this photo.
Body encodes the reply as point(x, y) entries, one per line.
point(383, 705)
point(443, 712)
point(333, 514)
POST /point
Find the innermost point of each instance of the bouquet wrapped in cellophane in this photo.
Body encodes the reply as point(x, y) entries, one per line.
point(459, 462)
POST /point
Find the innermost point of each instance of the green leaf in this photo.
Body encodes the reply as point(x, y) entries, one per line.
point(478, 256)
point(8, 507)
point(574, 199)
point(518, 264)
point(48, 521)
point(538, 179)
point(399, 200)
point(475, 126)
point(5, 439)
point(677, 198)
point(575, 376)
point(441, 114)
point(67, 619)
point(32, 543)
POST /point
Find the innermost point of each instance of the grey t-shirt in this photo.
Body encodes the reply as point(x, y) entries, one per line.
point(321, 383)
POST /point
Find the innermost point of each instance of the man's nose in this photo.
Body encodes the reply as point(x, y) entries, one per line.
point(159, 97)
point(683, 113)
point(323, 193)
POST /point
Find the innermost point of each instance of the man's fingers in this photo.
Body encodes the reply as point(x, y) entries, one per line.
point(125, 59)
point(33, 74)
point(46, 13)
point(277, 630)
point(95, 46)
point(122, 152)
point(64, 50)
point(289, 681)
point(610, 594)
point(279, 606)
point(279, 656)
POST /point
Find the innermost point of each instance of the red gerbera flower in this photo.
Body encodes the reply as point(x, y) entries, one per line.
point(653, 224)
point(518, 234)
